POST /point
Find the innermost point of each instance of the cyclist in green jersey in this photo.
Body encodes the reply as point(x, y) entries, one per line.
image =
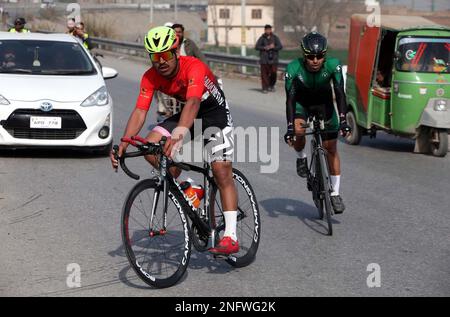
point(310, 81)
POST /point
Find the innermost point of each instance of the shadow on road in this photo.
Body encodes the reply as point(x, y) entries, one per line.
point(294, 208)
point(198, 261)
point(389, 143)
point(261, 91)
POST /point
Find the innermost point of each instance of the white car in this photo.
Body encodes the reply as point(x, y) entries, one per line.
point(52, 94)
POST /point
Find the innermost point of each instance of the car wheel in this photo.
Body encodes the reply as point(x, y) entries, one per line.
point(439, 142)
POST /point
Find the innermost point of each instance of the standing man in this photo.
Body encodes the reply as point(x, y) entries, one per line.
point(19, 26)
point(268, 45)
point(187, 46)
point(71, 26)
point(82, 35)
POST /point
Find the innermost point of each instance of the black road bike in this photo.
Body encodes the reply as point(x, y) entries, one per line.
point(318, 178)
point(160, 224)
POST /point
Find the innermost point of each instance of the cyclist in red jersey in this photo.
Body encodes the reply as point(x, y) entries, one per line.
point(190, 81)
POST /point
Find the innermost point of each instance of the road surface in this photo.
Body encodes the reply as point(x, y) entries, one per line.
point(58, 208)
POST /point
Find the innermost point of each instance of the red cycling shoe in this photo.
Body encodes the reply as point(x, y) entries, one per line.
point(226, 246)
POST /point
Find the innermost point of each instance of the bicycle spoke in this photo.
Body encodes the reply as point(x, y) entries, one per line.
point(245, 224)
point(248, 235)
point(143, 227)
point(140, 209)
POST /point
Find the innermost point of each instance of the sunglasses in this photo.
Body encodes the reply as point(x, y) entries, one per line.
point(167, 56)
point(18, 23)
point(311, 57)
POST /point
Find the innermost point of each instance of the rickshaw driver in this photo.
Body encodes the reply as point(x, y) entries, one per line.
point(308, 82)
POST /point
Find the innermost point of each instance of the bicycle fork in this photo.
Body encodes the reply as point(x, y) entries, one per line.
point(164, 182)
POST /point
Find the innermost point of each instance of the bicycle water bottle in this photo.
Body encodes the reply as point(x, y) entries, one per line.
point(194, 193)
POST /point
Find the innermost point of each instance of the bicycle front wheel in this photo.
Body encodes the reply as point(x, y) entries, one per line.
point(315, 182)
point(248, 221)
point(325, 190)
point(157, 244)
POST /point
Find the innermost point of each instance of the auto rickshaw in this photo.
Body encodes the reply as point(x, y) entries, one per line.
point(398, 81)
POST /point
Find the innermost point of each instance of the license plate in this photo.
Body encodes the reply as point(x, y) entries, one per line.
point(45, 122)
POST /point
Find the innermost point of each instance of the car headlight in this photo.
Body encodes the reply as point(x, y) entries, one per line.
point(98, 98)
point(3, 101)
point(440, 105)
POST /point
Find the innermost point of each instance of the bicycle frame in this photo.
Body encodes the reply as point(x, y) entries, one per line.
point(317, 125)
point(165, 180)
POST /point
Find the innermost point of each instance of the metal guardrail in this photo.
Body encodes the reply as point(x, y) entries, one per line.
point(212, 57)
point(137, 49)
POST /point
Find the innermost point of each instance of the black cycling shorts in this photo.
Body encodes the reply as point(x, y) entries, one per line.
point(331, 120)
point(216, 129)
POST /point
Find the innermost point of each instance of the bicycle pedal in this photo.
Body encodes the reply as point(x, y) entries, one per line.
point(221, 257)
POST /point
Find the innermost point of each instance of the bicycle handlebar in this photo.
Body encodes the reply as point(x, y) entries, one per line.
point(145, 148)
point(314, 131)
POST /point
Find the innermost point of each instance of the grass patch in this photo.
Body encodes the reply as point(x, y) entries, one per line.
point(49, 14)
point(44, 26)
point(98, 26)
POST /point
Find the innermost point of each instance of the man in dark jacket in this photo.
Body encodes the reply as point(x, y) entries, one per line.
point(268, 45)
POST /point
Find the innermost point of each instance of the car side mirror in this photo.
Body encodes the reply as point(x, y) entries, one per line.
point(109, 73)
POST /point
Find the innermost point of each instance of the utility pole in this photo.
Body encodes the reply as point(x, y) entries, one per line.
point(176, 11)
point(243, 33)
point(151, 12)
point(433, 5)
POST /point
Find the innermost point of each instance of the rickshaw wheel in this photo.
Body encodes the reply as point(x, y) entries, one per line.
point(439, 142)
point(353, 138)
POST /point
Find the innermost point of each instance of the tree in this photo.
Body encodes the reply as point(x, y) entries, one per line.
point(215, 21)
point(224, 23)
point(303, 16)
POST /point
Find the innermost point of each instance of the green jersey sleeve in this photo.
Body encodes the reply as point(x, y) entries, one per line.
point(335, 68)
point(291, 73)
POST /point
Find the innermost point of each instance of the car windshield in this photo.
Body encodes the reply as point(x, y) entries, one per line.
point(425, 55)
point(44, 58)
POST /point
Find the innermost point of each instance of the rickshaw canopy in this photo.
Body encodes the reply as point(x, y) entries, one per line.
point(364, 42)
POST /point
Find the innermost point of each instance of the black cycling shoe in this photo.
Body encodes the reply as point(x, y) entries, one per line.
point(338, 204)
point(302, 167)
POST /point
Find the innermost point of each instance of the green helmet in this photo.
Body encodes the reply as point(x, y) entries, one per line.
point(160, 39)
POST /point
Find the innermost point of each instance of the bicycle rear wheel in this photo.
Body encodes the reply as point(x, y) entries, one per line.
point(325, 190)
point(160, 255)
point(248, 224)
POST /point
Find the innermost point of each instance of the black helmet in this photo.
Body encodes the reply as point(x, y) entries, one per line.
point(20, 21)
point(314, 43)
